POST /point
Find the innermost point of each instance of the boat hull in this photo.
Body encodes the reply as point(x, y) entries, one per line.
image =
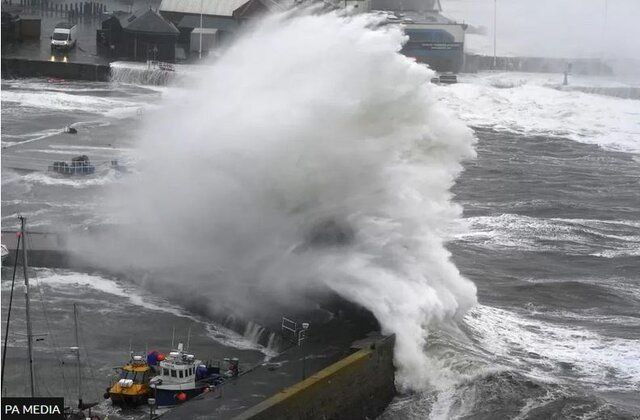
point(169, 397)
point(128, 400)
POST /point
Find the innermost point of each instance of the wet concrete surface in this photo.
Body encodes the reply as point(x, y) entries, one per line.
point(325, 345)
point(85, 50)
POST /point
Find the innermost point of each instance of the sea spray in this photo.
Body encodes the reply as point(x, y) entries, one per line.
point(310, 156)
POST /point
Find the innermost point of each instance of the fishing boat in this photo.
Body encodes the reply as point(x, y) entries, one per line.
point(80, 165)
point(182, 377)
point(132, 386)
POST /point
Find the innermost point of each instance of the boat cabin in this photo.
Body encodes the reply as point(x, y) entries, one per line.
point(178, 367)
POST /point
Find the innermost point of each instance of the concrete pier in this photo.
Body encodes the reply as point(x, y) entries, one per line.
point(360, 386)
point(326, 379)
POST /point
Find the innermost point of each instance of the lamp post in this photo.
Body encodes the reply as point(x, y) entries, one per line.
point(301, 338)
point(200, 48)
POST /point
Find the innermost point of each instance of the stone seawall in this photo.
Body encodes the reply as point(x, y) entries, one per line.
point(359, 386)
point(21, 67)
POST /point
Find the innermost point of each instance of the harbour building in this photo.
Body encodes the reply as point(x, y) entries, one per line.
point(434, 39)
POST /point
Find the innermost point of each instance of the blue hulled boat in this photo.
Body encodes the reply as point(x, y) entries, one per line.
point(181, 377)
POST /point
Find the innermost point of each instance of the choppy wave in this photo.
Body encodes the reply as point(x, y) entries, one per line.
point(22, 139)
point(556, 352)
point(62, 101)
point(66, 282)
point(75, 182)
point(602, 238)
point(525, 104)
point(507, 365)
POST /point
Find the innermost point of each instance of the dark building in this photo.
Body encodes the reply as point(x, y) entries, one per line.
point(139, 37)
point(221, 19)
point(16, 28)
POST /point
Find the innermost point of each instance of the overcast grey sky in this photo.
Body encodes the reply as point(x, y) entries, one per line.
point(553, 28)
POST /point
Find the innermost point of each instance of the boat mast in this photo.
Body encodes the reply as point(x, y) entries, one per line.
point(75, 323)
point(25, 265)
point(6, 329)
point(188, 337)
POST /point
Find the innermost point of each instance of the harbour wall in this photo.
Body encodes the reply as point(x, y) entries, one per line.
point(360, 386)
point(69, 251)
point(45, 249)
point(21, 67)
point(474, 63)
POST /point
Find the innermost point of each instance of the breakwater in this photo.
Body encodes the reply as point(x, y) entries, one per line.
point(21, 67)
point(474, 63)
point(359, 386)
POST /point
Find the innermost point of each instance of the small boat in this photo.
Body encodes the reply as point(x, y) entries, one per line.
point(80, 165)
point(132, 386)
point(182, 377)
point(5, 251)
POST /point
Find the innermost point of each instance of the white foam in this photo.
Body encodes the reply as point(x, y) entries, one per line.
point(526, 104)
point(75, 182)
point(231, 338)
point(540, 347)
point(65, 147)
point(64, 281)
point(31, 137)
point(617, 238)
point(61, 101)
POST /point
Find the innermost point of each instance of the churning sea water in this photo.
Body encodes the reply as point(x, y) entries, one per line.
point(545, 221)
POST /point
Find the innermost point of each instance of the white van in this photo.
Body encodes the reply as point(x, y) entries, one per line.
point(64, 36)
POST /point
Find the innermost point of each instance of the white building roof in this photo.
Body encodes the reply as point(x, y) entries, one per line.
point(209, 7)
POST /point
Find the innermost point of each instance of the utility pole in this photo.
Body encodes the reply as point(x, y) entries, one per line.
point(200, 49)
point(25, 264)
point(495, 21)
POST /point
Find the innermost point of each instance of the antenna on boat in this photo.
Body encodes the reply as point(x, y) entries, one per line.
point(188, 337)
point(75, 323)
point(173, 335)
point(25, 265)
